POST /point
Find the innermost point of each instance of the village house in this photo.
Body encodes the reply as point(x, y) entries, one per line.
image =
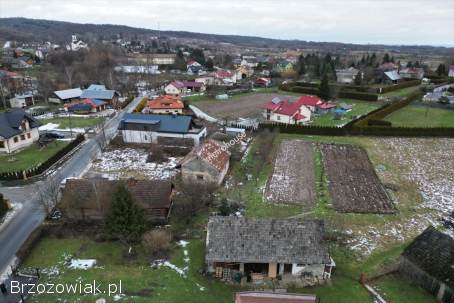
point(22, 101)
point(347, 75)
point(17, 130)
point(244, 72)
point(166, 104)
point(13, 83)
point(413, 73)
point(287, 251)
point(296, 112)
point(207, 163)
point(90, 199)
point(86, 106)
point(284, 66)
point(273, 297)
point(451, 71)
point(76, 44)
point(249, 62)
point(392, 77)
point(224, 77)
point(145, 128)
point(66, 95)
point(194, 68)
point(429, 262)
point(100, 92)
point(182, 88)
point(262, 82)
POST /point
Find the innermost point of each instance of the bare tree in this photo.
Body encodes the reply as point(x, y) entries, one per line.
point(48, 194)
point(69, 71)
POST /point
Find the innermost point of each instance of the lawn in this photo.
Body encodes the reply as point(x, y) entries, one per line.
point(30, 157)
point(422, 116)
point(402, 92)
point(359, 108)
point(74, 122)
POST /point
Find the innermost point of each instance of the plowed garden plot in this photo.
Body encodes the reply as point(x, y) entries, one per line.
point(353, 184)
point(292, 181)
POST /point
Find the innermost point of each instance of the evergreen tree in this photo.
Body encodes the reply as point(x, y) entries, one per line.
point(358, 78)
point(386, 58)
point(180, 62)
point(324, 89)
point(441, 70)
point(125, 219)
point(409, 64)
point(198, 55)
point(3, 206)
point(301, 67)
point(210, 64)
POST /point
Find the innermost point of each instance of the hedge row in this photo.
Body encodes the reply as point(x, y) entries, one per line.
point(19, 175)
point(307, 84)
point(305, 90)
point(405, 84)
point(141, 105)
point(358, 95)
point(304, 129)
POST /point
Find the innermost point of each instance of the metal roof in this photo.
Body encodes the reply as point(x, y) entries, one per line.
point(97, 87)
point(98, 94)
point(68, 93)
point(393, 75)
point(167, 123)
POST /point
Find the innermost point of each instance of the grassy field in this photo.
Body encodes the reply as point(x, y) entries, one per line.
point(359, 108)
point(402, 92)
point(29, 157)
point(420, 116)
point(74, 122)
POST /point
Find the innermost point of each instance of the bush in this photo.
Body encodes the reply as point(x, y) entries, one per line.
point(139, 108)
point(358, 95)
point(305, 90)
point(405, 84)
point(158, 241)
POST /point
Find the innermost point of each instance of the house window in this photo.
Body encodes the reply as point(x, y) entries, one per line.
point(2, 144)
point(22, 137)
point(29, 135)
point(199, 177)
point(16, 139)
point(278, 117)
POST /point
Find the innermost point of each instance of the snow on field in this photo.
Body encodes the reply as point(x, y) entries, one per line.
point(82, 263)
point(54, 127)
point(429, 164)
point(129, 162)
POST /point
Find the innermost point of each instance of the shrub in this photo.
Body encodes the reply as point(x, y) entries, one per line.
point(139, 108)
point(305, 90)
point(405, 84)
point(158, 241)
point(358, 95)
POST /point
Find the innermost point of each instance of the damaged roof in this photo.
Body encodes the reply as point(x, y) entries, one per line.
point(253, 240)
point(212, 152)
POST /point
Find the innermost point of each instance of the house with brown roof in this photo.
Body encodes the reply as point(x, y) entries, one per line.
point(182, 88)
point(166, 104)
point(90, 199)
point(429, 262)
point(272, 297)
point(285, 251)
point(206, 163)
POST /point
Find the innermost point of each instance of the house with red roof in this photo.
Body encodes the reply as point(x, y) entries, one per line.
point(206, 163)
point(296, 112)
point(166, 104)
point(182, 88)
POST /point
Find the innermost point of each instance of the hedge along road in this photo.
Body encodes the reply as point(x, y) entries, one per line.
point(31, 215)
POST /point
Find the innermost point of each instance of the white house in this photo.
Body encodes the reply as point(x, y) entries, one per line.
point(347, 75)
point(144, 128)
point(182, 88)
point(76, 44)
point(17, 130)
point(21, 101)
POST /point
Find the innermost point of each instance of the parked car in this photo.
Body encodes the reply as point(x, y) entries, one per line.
point(53, 135)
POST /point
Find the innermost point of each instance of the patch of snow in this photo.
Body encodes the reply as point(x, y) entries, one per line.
point(82, 263)
point(202, 115)
point(183, 243)
point(48, 126)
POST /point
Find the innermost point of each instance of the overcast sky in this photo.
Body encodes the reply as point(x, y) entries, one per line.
point(355, 21)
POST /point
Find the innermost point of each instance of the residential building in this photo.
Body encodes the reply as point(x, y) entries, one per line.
point(100, 92)
point(144, 128)
point(224, 77)
point(262, 82)
point(428, 262)
point(17, 130)
point(206, 163)
point(392, 76)
point(66, 95)
point(414, 73)
point(347, 75)
point(163, 59)
point(244, 72)
point(287, 251)
point(451, 71)
point(194, 68)
point(273, 297)
point(22, 101)
point(86, 106)
point(182, 88)
point(90, 199)
point(166, 104)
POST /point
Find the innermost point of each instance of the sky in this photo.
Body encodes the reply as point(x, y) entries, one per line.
point(398, 22)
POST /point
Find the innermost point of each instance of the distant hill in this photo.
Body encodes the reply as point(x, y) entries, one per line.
point(27, 30)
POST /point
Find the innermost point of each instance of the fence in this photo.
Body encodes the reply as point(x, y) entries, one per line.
point(41, 168)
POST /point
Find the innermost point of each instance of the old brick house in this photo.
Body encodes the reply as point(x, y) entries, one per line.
point(283, 250)
point(90, 199)
point(429, 262)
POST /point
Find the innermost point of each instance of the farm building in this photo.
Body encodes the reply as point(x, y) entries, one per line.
point(66, 95)
point(429, 262)
point(254, 250)
point(272, 297)
point(166, 104)
point(208, 163)
point(143, 128)
point(89, 199)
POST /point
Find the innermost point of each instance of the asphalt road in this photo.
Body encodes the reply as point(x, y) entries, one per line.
point(31, 215)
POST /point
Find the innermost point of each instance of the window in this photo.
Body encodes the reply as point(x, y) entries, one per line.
point(199, 177)
point(2, 144)
point(16, 139)
point(278, 117)
point(22, 137)
point(29, 135)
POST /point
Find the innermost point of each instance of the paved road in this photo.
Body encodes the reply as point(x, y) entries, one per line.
point(31, 215)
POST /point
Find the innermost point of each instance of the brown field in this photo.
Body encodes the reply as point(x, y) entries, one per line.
point(292, 181)
point(353, 184)
point(244, 106)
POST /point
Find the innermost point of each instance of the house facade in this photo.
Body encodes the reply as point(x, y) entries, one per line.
point(17, 130)
point(86, 106)
point(90, 199)
point(285, 251)
point(428, 262)
point(166, 104)
point(182, 88)
point(414, 73)
point(207, 163)
point(145, 128)
point(22, 101)
point(347, 75)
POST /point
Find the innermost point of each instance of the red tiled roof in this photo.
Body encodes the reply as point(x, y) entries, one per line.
point(309, 101)
point(327, 105)
point(211, 152)
point(284, 107)
point(165, 102)
point(222, 74)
